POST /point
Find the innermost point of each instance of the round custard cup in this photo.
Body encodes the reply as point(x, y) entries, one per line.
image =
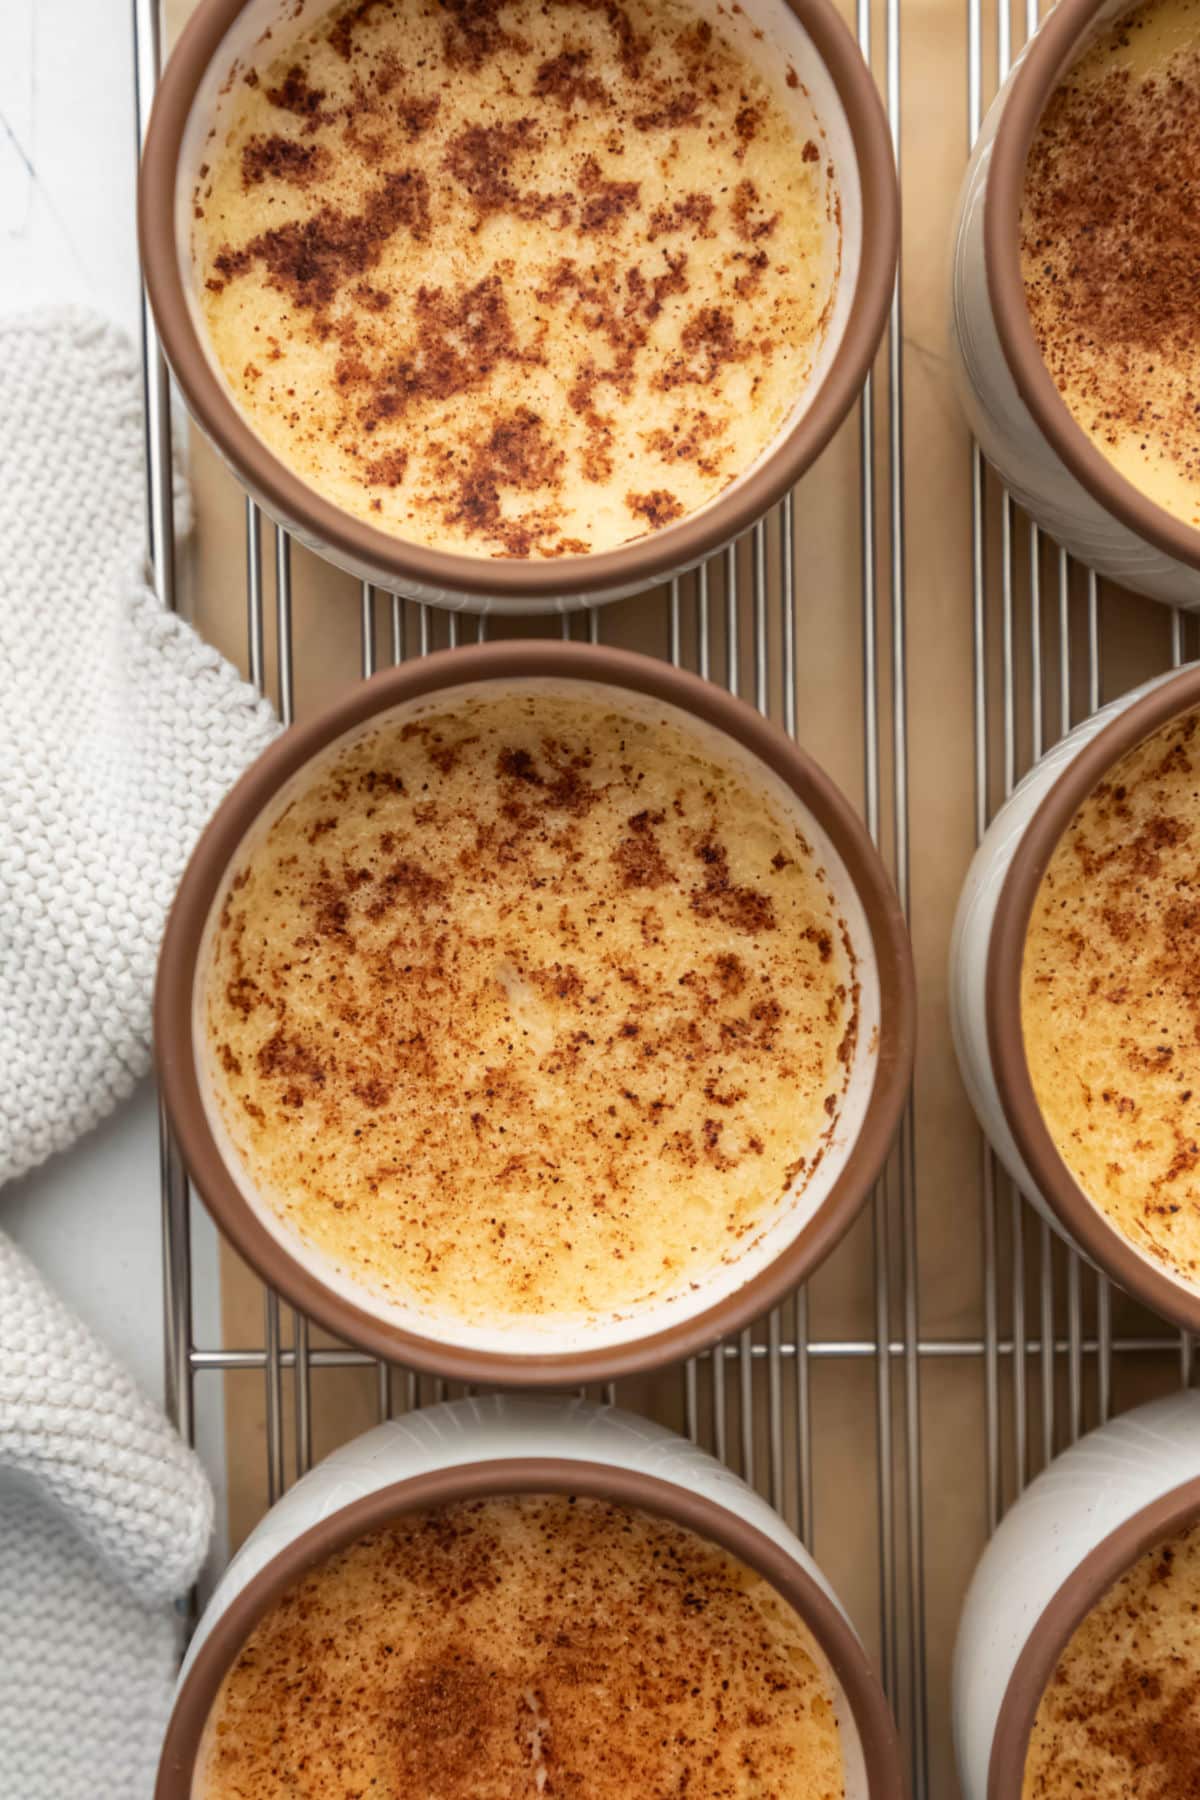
point(1075, 1530)
point(471, 1449)
point(834, 89)
point(1023, 425)
point(986, 954)
point(807, 1220)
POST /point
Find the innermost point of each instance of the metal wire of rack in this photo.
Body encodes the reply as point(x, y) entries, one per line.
point(1036, 666)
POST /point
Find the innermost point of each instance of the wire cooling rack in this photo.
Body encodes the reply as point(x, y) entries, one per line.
point(859, 1436)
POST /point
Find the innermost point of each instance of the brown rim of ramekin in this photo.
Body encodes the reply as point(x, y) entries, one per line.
point(639, 564)
point(501, 661)
point(1087, 1583)
point(525, 1475)
point(1050, 54)
point(1083, 1220)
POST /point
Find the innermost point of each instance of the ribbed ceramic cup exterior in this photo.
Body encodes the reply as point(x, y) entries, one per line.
point(1073, 1531)
point(993, 356)
point(974, 921)
point(461, 1442)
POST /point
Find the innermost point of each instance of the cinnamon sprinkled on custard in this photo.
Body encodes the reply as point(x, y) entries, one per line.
point(1110, 248)
point(1110, 997)
point(433, 225)
point(526, 1646)
point(530, 1007)
point(1120, 1719)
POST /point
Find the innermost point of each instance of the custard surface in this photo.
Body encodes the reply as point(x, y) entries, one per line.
point(530, 1008)
point(1110, 997)
point(515, 279)
point(1120, 1719)
point(533, 1645)
point(1110, 250)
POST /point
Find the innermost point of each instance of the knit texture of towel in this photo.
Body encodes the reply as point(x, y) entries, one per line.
point(119, 733)
point(104, 1519)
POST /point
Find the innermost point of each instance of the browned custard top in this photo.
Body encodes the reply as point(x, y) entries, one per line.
point(1120, 1718)
point(518, 1647)
point(510, 277)
point(1110, 997)
point(531, 1006)
point(1110, 247)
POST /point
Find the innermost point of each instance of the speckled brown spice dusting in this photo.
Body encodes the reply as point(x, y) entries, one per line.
point(311, 261)
point(1110, 247)
point(343, 36)
point(462, 337)
point(540, 1645)
point(474, 33)
point(282, 159)
point(293, 95)
point(1110, 997)
point(658, 508)
point(565, 78)
point(605, 202)
point(750, 218)
point(693, 436)
point(1120, 1717)
point(494, 979)
point(692, 214)
point(432, 216)
point(387, 471)
point(681, 109)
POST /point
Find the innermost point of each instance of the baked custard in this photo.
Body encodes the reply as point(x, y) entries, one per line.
point(1120, 1718)
point(1110, 997)
point(1110, 248)
point(526, 1646)
point(530, 1007)
point(516, 279)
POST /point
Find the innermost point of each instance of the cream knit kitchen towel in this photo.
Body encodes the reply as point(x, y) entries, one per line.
point(119, 733)
point(104, 1520)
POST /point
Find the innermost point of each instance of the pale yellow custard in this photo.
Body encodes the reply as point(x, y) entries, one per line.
point(511, 278)
point(1110, 248)
point(527, 1646)
point(1120, 1718)
point(1110, 997)
point(530, 1007)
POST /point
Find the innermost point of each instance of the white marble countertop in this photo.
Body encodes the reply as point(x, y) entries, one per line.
point(68, 157)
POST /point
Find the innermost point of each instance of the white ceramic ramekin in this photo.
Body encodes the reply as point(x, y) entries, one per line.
point(511, 1445)
point(800, 1230)
point(1074, 1531)
point(985, 974)
point(832, 84)
point(1023, 424)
